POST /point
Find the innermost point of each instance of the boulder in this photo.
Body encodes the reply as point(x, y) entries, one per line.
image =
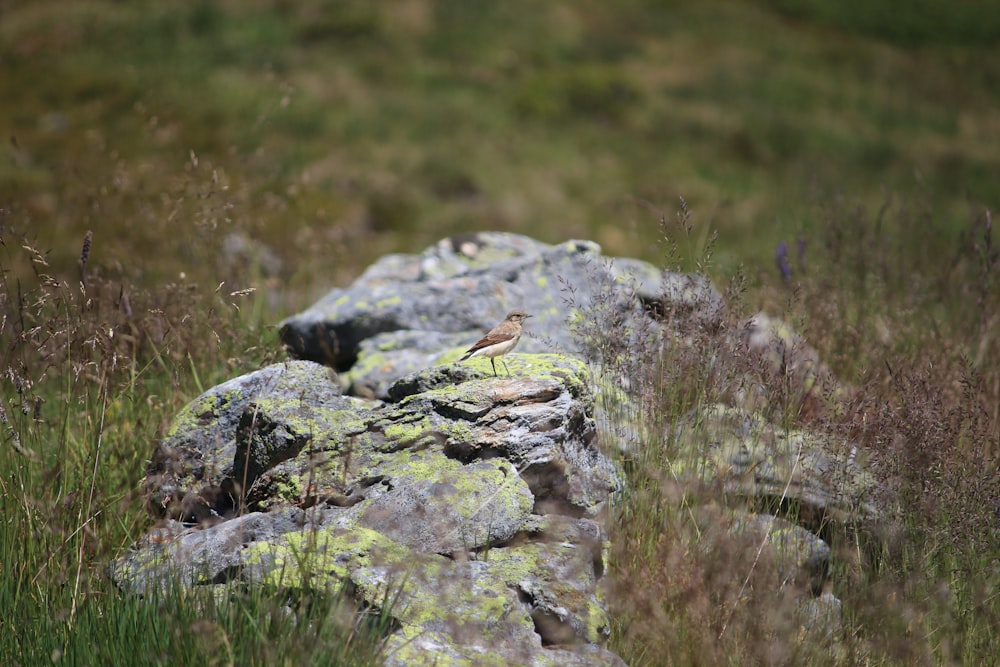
point(407, 312)
point(812, 479)
point(802, 559)
point(475, 503)
point(191, 475)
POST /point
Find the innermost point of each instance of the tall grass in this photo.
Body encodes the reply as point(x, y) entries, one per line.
point(92, 369)
point(916, 345)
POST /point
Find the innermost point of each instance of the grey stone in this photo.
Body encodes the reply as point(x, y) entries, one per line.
point(467, 507)
point(199, 449)
point(176, 555)
point(439, 512)
point(473, 503)
point(802, 558)
point(822, 619)
point(387, 357)
point(812, 478)
point(465, 285)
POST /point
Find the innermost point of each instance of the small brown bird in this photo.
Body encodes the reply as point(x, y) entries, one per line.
point(501, 340)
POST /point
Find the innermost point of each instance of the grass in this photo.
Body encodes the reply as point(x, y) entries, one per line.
point(574, 115)
point(320, 136)
point(921, 407)
point(96, 368)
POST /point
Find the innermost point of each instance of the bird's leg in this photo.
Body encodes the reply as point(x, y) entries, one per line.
point(494, 363)
point(505, 367)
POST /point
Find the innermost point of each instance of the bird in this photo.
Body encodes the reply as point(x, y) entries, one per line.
point(500, 340)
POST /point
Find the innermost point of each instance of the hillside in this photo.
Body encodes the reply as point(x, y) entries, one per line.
point(336, 131)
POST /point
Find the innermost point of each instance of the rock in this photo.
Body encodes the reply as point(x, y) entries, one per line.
point(386, 357)
point(788, 363)
point(197, 454)
point(821, 618)
point(452, 507)
point(469, 508)
point(681, 299)
point(802, 558)
point(175, 552)
point(801, 565)
point(473, 502)
point(806, 476)
point(461, 287)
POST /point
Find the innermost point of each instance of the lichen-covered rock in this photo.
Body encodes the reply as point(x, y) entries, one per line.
point(192, 470)
point(467, 507)
point(450, 506)
point(387, 357)
point(808, 476)
point(464, 285)
point(802, 559)
point(173, 552)
point(470, 501)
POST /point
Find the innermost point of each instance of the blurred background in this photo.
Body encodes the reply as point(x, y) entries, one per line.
point(303, 139)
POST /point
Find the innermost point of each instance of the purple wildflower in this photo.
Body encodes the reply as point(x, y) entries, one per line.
point(781, 257)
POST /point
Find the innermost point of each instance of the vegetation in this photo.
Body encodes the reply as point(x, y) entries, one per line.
point(922, 411)
point(178, 177)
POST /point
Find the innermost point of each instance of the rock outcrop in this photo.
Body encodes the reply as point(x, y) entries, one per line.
point(377, 464)
point(474, 502)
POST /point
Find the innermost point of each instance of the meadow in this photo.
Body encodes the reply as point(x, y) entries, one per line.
point(174, 179)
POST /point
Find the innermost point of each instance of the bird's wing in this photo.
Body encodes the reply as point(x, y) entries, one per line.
point(487, 340)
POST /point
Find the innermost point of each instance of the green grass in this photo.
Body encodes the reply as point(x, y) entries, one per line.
point(568, 115)
point(332, 133)
point(92, 373)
